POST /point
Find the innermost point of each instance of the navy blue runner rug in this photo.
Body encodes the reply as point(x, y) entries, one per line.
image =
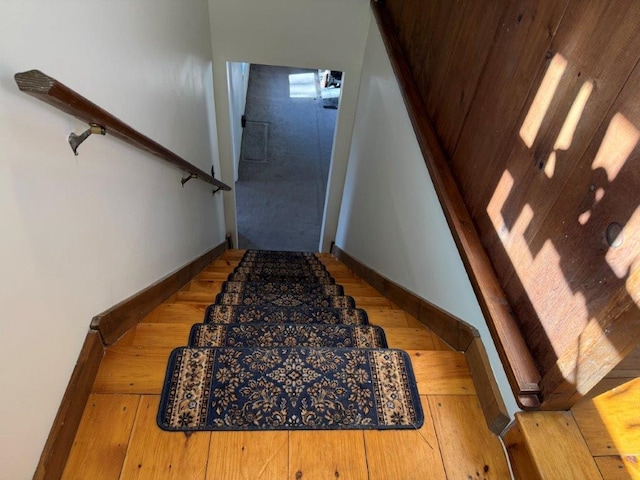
point(268, 335)
point(289, 389)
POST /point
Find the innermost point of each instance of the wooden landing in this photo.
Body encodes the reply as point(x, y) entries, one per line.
point(118, 437)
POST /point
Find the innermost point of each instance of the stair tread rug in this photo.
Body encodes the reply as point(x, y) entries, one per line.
point(267, 277)
point(288, 389)
point(282, 266)
point(269, 335)
point(225, 314)
point(295, 259)
point(292, 288)
point(286, 300)
point(281, 270)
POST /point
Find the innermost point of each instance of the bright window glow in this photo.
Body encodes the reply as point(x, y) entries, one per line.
point(302, 85)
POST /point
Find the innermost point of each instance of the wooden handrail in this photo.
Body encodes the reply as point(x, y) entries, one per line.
point(520, 367)
point(51, 91)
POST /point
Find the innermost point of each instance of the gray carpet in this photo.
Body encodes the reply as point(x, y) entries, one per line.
point(284, 163)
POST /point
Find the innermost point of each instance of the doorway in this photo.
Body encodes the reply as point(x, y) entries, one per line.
point(287, 138)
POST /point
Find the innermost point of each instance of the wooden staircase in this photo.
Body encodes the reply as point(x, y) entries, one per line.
point(118, 437)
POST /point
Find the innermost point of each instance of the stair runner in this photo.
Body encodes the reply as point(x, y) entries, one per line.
point(282, 347)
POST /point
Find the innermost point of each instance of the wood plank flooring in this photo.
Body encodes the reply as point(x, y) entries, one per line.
point(118, 437)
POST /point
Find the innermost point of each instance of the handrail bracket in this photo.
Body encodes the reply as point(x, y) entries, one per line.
point(76, 140)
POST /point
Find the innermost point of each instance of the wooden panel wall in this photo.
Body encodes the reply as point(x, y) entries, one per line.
point(537, 107)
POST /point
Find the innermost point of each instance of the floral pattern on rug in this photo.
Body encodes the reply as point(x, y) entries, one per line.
point(281, 266)
point(270, 335)
point(280, 257)
point(289, 388)
point(285, 300)
point(300, 278)
point(256, 288)
point(224, 314)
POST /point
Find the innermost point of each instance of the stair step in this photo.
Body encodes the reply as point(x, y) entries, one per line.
point(546, 445)
point(141, 370)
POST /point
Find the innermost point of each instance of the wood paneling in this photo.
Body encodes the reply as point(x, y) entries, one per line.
point(520, 366)
point(486, 386)
point(60, 440)
point(534, 106)
point(522, 41)
point(114, 322)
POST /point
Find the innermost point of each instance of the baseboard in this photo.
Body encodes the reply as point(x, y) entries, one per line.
point(58, 445)
point(114, 322)
point(457, 333)
point(451, 329)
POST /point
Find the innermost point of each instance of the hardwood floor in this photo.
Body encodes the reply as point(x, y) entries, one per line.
point(118, 437)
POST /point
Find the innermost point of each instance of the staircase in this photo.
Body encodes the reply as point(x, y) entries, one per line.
point(118, 436)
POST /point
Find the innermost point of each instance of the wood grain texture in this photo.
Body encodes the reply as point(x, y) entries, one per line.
point(405, 454)
point(519, 457)
point(115, 321)
point(133, 370)
point(520, 47)
point(565, 457)
point(161, 335)
point(51, 91)
point(520, 366)
point(248, 455)
point(487, 389)
point(476, 30)
point(610, 422)
point(441, 373)
point(100, 456)
point(60, 440)
point(469, 449)
point(619, 468)
point(327, 454)
point(154, 453)
point(409, 338)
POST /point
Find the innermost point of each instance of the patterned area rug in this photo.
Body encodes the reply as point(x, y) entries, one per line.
point(267, 335)
point(299, 278)
point(288, 388)
point(225, 314)
point(286, 300)
point(258, 288)
point(282, 348)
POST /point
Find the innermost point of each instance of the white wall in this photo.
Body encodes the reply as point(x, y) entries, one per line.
point(79, 234)
point(238, 80)
point(391, 219)
point(302, 33)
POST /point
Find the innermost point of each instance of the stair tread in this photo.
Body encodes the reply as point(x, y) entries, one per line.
point(567, 456)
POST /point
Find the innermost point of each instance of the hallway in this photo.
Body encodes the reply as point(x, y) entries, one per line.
point(284, 164)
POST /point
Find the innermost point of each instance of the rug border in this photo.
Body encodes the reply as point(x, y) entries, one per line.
point(420, 416)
